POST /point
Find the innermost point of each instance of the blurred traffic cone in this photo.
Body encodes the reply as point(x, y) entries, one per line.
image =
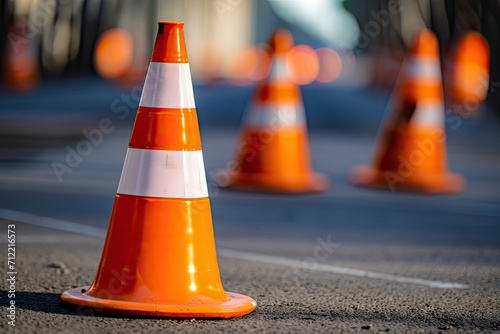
point(412, 152)
point(273, 151)
point(20, 66)
point(115, 59)
point(469, 78)
point(159, 256)
point(113, 53)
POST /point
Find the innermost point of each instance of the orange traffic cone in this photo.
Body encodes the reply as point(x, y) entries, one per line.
point(469, 78)
point(115, 60)
point(412, 153)
point(159, 256)
point(273, 151)
point(21, 69)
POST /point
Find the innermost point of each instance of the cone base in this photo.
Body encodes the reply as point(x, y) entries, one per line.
point(368, 176)
point(313, 183)
point(236, 306)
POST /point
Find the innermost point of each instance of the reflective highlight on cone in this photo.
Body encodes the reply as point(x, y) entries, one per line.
point(159, 255)
point(273, 151)
point(411, 151)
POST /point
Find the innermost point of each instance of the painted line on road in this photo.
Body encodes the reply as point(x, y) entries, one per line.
point(52, 223)
point(47, 238)
point(328, 268)
point(67, 226)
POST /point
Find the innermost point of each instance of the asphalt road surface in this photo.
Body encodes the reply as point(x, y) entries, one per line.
point(348, 260)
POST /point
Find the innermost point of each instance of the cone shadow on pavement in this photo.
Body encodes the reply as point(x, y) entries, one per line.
point(159, 256)
point(411, 149)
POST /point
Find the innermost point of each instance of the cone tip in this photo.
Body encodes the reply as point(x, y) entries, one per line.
point(281, 41)
point(425, 44)
point(170, 46)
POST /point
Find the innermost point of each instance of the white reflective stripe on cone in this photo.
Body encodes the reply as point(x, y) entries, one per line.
point(168, 85)
point(279, 70)
point(163, 173)
point(421, 68)
point(428, 113)
point(279, 115)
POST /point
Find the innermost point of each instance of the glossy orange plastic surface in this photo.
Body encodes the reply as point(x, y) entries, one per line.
point(170, 46)
point(159, 259)
point(167, 129)
point(159, 250)
point(411, 154)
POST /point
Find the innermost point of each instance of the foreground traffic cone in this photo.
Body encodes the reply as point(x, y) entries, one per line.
point(469, 78)
point(412, 152)
point(159, 256)
point(273, 151)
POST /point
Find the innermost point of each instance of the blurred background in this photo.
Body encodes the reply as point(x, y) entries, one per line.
point(63, 61)
point(68, 64)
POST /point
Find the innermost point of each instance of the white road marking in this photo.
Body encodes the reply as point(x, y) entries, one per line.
point(52, 223)
point(248, 256)
point(328, 268)
point(47, 238)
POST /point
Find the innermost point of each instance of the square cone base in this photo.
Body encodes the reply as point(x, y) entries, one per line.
point(236, 306)
point(270, 183)
point(368, 176)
